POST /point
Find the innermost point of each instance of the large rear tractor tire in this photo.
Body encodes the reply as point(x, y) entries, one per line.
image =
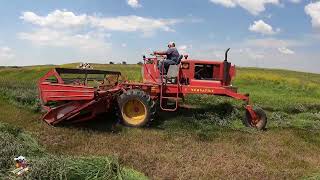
point(136, 108)
point(260, 123)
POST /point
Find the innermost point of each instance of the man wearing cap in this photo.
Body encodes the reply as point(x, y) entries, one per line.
point(172, 57)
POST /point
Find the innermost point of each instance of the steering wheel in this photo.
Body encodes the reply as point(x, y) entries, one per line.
point(158, 56)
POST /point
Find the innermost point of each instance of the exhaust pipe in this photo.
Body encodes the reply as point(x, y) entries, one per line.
point(226, 69)
point(226, 55)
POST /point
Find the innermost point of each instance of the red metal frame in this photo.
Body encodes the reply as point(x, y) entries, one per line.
point(74, 103)
point(80, 102)
point(151, 78)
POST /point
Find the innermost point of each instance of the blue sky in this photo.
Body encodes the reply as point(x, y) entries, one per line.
point(265, 33)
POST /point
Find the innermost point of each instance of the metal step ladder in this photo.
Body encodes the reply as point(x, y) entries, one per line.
point(172, 73)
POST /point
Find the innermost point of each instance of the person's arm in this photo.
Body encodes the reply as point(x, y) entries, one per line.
point(160, 52)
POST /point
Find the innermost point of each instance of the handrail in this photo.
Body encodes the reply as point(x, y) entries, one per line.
point(178, 91)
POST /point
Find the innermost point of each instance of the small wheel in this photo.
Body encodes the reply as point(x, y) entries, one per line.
point(136, 108)
point(261, 121)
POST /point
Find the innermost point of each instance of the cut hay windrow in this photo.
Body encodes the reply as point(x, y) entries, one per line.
point(15, 142)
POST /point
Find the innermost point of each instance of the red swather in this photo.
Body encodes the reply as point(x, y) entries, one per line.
point(74, 99)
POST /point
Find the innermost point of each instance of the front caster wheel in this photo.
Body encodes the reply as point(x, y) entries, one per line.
point(255, 118)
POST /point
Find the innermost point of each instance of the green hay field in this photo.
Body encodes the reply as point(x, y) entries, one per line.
point(206, 140)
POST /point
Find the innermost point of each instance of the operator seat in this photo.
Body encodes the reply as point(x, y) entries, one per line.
point(174, 69)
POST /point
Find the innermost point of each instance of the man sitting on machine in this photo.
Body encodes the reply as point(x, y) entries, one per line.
point(172, 57)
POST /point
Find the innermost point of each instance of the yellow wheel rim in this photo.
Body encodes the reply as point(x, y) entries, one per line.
point(134, 112)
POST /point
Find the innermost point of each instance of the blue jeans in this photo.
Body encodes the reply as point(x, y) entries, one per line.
point(166, 63)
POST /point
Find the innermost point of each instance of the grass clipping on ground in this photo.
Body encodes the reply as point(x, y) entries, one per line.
point(15, 142)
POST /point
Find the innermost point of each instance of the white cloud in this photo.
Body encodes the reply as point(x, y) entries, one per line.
point(255, 7)
point(83, 35)
point(313, 10)
point(55, 38)
point(226, 3)
point(295, 1)
point(184, 49)
point(56, 19)
point(6, 53)
point(219, 54)
point(285, 50)
point(252, 54)
point(134, 3)
point(265, 46)
point(262, 27)
point(263, 52)
point(133, 23)
point(65, 19)
point(272, 43)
